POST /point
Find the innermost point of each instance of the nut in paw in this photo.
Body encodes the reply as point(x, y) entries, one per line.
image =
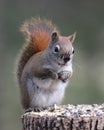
point(65, 75)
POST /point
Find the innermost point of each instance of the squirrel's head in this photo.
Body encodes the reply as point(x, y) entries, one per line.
point(61, 48)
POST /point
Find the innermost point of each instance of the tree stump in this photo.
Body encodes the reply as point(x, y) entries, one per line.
point(66, 117)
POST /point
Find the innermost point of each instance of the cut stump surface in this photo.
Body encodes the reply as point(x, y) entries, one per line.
point(66, 117)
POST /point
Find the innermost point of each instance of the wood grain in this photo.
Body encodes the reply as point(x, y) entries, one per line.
point(67, 117)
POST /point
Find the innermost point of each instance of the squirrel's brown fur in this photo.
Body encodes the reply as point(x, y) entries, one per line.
point(38, 33)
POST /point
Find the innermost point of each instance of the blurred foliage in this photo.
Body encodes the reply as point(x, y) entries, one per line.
point(85, 17)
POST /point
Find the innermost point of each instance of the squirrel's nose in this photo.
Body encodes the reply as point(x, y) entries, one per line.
point(66, 58)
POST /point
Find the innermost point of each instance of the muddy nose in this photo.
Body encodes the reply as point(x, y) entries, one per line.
point(66, 58)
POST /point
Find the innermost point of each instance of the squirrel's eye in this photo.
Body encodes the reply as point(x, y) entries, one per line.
point(73, 52)
point(57, 48)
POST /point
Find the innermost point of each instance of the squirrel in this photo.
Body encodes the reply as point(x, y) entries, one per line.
point(44, 67)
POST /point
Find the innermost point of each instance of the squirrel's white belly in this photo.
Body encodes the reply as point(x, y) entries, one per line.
point(47, 92)
point(45, 98)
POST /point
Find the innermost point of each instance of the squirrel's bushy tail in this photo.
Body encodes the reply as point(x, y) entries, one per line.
point(38, 33)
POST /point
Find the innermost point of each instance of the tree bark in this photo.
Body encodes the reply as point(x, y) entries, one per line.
point(67, 117)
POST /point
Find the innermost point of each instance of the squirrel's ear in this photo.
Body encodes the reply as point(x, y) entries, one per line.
point(54, 36)
point(72, 37)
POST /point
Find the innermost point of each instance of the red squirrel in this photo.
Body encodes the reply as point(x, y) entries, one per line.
point(44, 67)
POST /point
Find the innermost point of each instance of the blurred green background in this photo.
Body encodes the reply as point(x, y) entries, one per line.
point(86, 17)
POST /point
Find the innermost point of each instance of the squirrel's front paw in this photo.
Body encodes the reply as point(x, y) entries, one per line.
point(54, 75)
point(64, 75)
